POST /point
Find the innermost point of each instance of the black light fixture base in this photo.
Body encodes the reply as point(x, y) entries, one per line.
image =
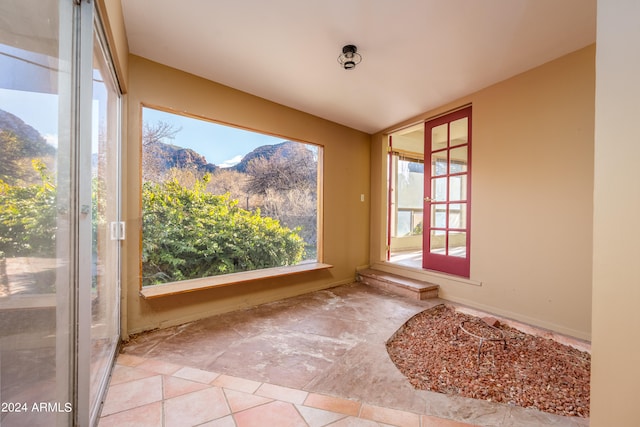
point(349, 57)
point(350, 48)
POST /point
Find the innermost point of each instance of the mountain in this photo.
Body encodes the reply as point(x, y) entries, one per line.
point(30, 142)
point(159, 157)
point(163, 157)
point(19, 143)
point(285, 149)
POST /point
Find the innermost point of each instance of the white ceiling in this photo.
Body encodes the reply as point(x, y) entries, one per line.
point(417, 54)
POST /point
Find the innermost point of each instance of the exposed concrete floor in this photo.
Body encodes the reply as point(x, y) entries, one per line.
point(329, 342)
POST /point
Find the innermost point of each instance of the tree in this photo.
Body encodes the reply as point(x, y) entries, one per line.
point(226, 180)
point(10, 151)
point(190, 233)
point(153, 164)
point(286, 182)
point(295, 169)
point(28, 216)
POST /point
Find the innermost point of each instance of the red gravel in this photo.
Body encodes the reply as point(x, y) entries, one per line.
point(532, 372)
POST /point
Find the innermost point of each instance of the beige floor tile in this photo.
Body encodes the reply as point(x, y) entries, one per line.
point(198, 375)
point(173, 386)
point(143, 416)
point(239, 401)
point(235, 383)
point(318, 417)
point(354, 422)
point(331, 403)
point(282, 393)
point(220, 422)
point(159, 366)
point(195, 408)
point(390, 416)
point(133, 394)
point(129, 359)
point(274, 414)
point(123, 374)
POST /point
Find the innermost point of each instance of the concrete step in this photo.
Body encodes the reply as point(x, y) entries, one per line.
point(411, 288)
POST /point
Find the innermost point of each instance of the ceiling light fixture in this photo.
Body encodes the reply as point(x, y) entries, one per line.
point(349, 57)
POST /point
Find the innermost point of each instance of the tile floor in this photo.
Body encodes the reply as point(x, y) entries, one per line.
point(314, 360)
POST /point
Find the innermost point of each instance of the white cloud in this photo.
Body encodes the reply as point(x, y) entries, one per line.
point(231, 162)
point(51, 139)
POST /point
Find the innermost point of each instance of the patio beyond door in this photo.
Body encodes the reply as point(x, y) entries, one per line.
point(447, 193)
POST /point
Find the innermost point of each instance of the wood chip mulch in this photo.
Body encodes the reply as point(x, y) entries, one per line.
point(532, 372)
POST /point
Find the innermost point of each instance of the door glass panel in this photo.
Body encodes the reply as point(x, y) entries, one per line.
point(36, 332)
point(457, 244)
point(105, 251)
point(438, 215)
point(458, 159)
point(439, 163)
point(439, 189)
point(458, 189)
point(458, 215)
point(459, 134)
point(439, 137)
point(437, 242)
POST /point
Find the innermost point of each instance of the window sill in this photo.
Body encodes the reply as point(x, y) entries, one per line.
point(163, 290)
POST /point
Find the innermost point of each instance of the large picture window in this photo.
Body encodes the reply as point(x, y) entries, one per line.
point(219, 200)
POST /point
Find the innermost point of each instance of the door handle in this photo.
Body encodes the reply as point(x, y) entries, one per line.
point(428, 199)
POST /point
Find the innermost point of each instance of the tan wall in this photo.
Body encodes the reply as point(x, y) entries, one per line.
point(113, 21)
point(346, 177)
point(615, 371)
point(532, 185)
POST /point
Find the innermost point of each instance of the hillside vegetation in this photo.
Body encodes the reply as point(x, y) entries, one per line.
point(200, 219)
point(19, 144)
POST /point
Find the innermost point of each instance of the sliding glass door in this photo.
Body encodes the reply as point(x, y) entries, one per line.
point(106, 230)
point(59, 201)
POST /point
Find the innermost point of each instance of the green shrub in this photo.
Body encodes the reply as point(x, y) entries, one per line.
point(190, 233)
point(28, 216)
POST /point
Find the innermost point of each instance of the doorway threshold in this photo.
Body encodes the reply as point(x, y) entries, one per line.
point(412, 258)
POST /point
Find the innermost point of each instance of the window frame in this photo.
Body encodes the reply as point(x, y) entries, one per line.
point(236, 278)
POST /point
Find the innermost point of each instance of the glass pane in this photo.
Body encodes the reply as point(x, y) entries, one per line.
point(437, 242)
point(439, 137)
point(458, 215)
point(459, 132)
point(458, 160)
point(439, 163)
point(410, 184)
point(439, 189)
point(104, 187)
point(404, 223)
point(35, 228)
point(458, 190)
point(438, 215)
point(457, 244)
point(417, 223)
point(256, 199)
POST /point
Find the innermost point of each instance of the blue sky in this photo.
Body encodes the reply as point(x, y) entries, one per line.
point(221, 145)
point(44, 118)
